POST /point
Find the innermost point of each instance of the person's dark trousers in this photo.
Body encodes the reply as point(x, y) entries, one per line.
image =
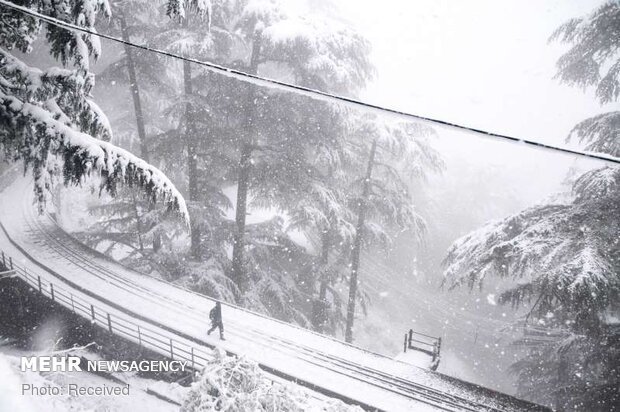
point(219, 325)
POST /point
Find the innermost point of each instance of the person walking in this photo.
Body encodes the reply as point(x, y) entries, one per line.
point(216, 320)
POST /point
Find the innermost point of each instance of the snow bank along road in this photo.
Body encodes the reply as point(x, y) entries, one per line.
point(173, 322)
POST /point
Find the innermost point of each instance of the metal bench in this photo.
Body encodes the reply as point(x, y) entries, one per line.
point(420, 342)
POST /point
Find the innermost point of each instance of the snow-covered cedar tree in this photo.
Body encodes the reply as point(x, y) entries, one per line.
point(319, 208)
point(564, 256)
point(282, 134)
point(231, 384)
point(207, 277)
point(389, 155)
point(130, 226)
point(308, 50)
point(211, 133)
point(276, 265)
point(140, 74)
point(561, 255)
point(327, 207)
point(48, 119)
point(128, 221)
point(233, 123)
point(190, 140)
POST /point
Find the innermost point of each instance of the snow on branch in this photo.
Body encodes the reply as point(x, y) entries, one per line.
point(566, 253)
point(334, 52)
point(179, 8)
point(592, 59)
point(49, 121)
point(601, 133)
point(597, 184)
point(82, 155)
point(237, 384)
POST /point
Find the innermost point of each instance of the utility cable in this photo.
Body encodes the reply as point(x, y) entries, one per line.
point(306, 91)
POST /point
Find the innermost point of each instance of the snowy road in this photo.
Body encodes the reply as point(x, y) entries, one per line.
point(324, 364)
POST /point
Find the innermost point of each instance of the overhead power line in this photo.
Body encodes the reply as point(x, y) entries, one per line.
point(313, 93)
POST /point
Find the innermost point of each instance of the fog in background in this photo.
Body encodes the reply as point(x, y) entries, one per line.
point(488, 65)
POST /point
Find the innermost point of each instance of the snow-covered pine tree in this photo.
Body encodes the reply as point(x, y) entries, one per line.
point(181, 124)
point(48, 120)
point(276, 265)
point(216, 130)
point(311, 51)
point(195, 37)
point(565, 256)
point(319, 208)
point(129, 221)
point(279, 164)
point(132, 225)
point(281, 174)
point(142, 73)
point(389, 155)
point(153, 83)
point(129, 226)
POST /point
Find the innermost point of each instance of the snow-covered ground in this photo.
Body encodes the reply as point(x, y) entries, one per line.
point(413, 357)
point(174, 313)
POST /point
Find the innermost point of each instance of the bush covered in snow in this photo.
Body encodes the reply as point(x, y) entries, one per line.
point(236, 384)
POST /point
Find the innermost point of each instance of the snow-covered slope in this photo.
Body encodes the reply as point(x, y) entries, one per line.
point(332, 367)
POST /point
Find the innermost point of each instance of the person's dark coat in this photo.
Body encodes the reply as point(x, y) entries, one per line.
point(215, 315)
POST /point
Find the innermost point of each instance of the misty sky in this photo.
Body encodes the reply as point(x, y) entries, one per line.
point(483, 63)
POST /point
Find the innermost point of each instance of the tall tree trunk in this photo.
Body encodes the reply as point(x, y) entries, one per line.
point(239, 274)
point(138, 221)
point(135, 91)
point(137, 107)
point(357, 245)
point(192, 168)
point(325, 245)
point(320, 312)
